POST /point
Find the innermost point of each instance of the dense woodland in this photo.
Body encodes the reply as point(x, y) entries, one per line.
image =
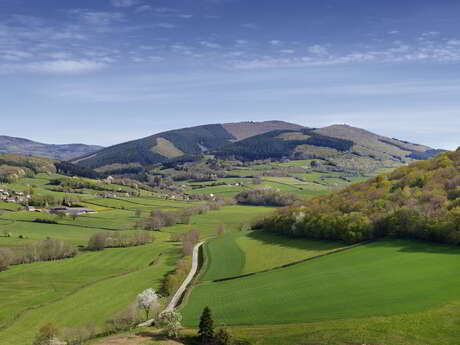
point(420, 201)
point(273, 145)
point(188, 140)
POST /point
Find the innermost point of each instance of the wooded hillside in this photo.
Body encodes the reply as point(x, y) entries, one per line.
point(420, 201)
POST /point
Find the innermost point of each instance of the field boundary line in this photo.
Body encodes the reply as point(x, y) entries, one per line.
point(74, 225)
point(291, 263)
point(285, 184)
point(138, 203)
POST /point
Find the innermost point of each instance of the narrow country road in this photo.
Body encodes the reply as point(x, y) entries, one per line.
point(176, 298)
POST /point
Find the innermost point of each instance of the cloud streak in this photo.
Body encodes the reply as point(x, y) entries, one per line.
point(68, 67)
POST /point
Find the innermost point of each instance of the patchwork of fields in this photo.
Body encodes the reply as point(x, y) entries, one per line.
point(391, 292)
point(93, 286)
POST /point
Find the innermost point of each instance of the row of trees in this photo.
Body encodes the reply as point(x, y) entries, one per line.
point(114, 239)
point(159, 219)
point(188, 239)
point(44, 250)
point(265, 197)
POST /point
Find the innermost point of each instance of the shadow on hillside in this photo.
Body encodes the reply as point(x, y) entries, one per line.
point(186, 339)
point(159, 336)
point(404, 245)
point(294, 242)
point(416, 246)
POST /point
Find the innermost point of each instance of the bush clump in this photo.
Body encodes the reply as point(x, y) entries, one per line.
point(265, 197)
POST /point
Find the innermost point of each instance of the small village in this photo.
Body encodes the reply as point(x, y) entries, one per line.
point(15, 197)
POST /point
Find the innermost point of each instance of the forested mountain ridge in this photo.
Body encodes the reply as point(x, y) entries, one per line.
point(174, 144)
point(26, 147)
point(343, 146)
point(421, 200)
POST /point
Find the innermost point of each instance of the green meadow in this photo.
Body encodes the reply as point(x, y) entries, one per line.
point(377, 279)
point(93, 286)
point(248, 252)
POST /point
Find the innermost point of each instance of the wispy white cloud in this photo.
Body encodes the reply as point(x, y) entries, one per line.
point(98, 17)
point(241, 42)
point(317, 49)
point(165, 12)
point(209, 44)
point(166, 25)
point(55, 67)
point(125, 3)
point(250, 26)
point(438, 51)
point(14, 55)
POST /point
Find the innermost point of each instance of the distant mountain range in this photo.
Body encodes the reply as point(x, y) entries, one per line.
point(20, 146)
point(340, 145)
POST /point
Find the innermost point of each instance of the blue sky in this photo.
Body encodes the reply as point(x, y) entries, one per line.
point(107, 71)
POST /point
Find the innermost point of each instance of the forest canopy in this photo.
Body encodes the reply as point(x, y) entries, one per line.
point(420, 201)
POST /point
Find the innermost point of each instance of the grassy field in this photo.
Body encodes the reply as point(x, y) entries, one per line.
point(382, 278)
point(438, 326)
point(224, 258)
point(264, 251)
point(93, 286)
point(247, 252)
point(231, 217)
point(77, 305)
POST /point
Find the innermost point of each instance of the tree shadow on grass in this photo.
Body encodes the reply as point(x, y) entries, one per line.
point(294, 242)
point(404, 245)
point(188, 339)
point(416, 246)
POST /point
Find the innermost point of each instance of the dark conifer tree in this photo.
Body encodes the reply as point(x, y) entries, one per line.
point(206, 331)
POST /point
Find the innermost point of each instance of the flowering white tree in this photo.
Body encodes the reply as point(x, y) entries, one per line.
point(171, 320)
point(148, 300)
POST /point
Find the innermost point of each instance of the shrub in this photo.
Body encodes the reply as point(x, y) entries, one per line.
point(265, 197)
point(6, 258)
point(77, 336)
point(223, 337)
point(97, 241)
point(123, 320)
point(171, 320)
point(46, 335)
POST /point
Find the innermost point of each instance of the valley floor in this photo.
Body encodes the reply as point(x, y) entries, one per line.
point(391, 292)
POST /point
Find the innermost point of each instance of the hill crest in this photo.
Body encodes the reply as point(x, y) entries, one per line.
point(340, 145)
point(27, 147)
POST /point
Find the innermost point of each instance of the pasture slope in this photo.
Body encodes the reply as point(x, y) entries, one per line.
point(377, 283)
